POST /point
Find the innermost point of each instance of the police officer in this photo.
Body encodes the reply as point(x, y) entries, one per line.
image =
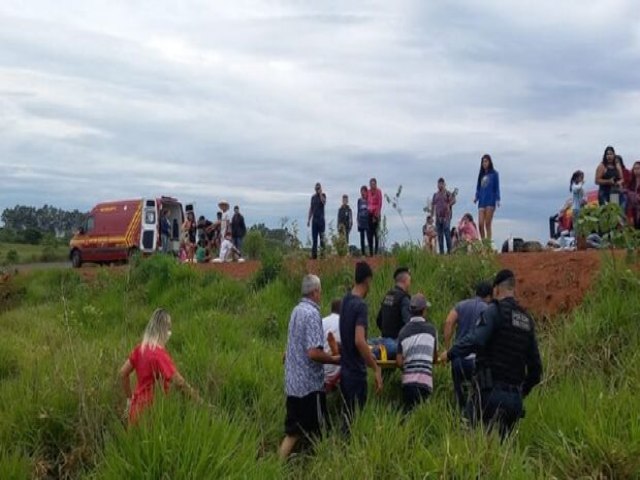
point(394, 311)
point(508, 363)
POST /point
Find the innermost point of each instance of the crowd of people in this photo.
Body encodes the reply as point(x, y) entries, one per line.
point(615, 184)
point(437, 227)
point(209, 241)
point(495, 361)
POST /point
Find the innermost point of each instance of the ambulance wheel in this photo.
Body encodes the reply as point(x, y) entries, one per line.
point(76, 259)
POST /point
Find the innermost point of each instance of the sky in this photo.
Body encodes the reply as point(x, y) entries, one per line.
point(254, 101)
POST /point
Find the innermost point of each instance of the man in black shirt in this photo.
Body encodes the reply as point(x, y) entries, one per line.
point(508, 363)
point(394, 313)
point(316, 220)
point(355, 352)
point(238, 228)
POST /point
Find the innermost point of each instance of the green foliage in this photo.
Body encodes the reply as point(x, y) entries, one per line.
point(12, 257)
point(254, 244)
point(63, 343)
point(270, 269)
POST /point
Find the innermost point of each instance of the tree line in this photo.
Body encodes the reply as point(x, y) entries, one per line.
point(26, 224)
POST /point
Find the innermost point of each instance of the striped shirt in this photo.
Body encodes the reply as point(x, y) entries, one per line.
point(417, 342)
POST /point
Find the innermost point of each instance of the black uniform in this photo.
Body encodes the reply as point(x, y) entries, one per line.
point(508, 363)
point(394, 312)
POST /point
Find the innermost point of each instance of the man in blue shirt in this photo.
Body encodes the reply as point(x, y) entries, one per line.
point(508, 363)
point(464, 316)
point(303, 366)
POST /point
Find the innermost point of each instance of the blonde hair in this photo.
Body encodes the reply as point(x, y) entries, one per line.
point(157, 331)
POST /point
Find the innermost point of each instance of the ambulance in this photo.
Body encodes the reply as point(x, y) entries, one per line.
point(114, 231)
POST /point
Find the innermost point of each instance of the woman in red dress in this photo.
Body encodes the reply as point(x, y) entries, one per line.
point(153, 365)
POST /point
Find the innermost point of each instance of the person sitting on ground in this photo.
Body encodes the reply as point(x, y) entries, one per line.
point(202, 251)
point(306, 404)
point(417, 352)
point(228, 251)
point(393, 314)
point(462, 318)
point(152, 364)
point(429, 234)
point(467, 230)
point(331, 331)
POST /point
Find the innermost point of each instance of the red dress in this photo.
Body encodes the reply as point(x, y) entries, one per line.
point(151, 365)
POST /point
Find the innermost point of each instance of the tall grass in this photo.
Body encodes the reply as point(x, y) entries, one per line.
point(64, 340)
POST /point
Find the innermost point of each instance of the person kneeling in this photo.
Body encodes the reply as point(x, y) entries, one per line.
point(417, 350)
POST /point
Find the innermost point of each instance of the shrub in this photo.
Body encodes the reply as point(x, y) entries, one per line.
point(12, 256)
point(253, 245)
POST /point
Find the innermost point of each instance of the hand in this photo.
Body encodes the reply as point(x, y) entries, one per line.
point(379, 382)
point(443, 357)
point(475, 200)
point(308, 223)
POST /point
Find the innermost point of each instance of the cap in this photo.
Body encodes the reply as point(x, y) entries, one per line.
point(363, 271)
point(400, 270)
point(418, 303)
point(503, 276)
point(483, 289)
point(223, 202)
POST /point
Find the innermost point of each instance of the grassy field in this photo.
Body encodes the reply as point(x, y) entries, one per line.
point(63, 341)
point(32, 253)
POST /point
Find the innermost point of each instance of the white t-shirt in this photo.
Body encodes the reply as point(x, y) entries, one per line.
point(226, 251)
point(331, 323)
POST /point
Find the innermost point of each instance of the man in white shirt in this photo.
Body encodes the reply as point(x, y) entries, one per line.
point(331, 325)
point(228, 251)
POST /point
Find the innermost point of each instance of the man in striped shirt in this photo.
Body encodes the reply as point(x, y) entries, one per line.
point(417, 349)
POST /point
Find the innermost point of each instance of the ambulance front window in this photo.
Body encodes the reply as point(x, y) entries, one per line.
point(91, 222)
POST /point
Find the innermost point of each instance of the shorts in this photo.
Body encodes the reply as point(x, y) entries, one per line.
point(306, 415)
point(486, 205)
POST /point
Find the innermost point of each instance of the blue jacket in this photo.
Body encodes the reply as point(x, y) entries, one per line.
point(488, 193)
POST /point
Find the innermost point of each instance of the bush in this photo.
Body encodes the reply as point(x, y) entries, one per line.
point(48, 254)
point(272, 262)
point(253, 245)
point(12, 257)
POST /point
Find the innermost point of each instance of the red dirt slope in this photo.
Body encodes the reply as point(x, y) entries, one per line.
point(551, 283)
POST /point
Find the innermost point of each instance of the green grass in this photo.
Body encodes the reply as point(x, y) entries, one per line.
point(64, 340)
point(32, 253)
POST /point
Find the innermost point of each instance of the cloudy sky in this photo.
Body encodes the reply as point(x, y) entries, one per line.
point(254, 101)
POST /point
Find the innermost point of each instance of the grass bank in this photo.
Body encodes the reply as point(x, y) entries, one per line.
point(64, 340)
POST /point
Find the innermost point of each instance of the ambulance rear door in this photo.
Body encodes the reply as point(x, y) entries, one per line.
point(149, 229)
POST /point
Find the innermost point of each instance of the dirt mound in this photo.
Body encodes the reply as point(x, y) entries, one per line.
point(552, 283)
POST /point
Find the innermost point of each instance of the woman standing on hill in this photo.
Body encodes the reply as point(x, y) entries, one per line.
point(487, 195)
point(608, 176)
point(152, 363)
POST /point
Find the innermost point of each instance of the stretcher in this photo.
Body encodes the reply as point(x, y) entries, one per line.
point(384, 362)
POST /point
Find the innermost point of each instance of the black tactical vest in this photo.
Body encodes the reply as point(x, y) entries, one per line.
point(504, 358)
point(391, 312)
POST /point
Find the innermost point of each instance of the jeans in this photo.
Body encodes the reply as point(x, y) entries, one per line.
point(373, 235)
point(500, 406)
point(237, 242)
point(164, 238)
point(413, 396)
point(390, 344)
point(354, 396)
point(317, 231)
point(462, 374)
point(443, 227)
point(363, 235)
